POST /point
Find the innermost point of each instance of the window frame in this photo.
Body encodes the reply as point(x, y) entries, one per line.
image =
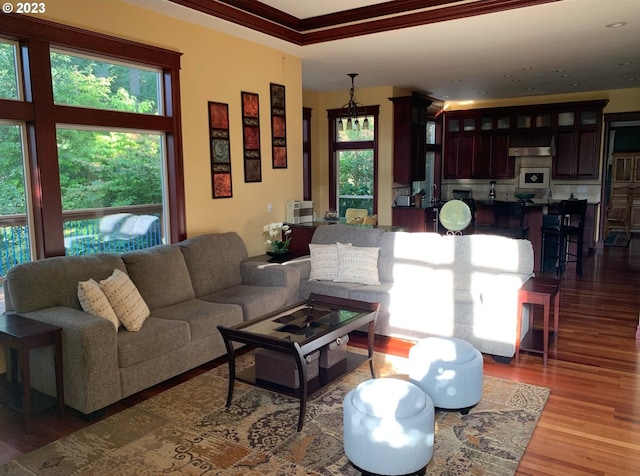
point(335, 146)
point(35, 37)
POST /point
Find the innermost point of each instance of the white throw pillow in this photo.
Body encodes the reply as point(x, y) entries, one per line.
point(93, 301)
point(324, 261)
point(357, 264)
point(126, 300)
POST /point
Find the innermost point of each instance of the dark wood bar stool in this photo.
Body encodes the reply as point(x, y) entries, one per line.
point(562, 238)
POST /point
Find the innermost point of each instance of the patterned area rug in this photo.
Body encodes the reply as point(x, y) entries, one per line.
point(188, 431)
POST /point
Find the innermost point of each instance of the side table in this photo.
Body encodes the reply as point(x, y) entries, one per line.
point(538, 291)
point(20, 335)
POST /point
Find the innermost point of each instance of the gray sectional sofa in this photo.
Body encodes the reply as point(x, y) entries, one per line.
point(430, 284)
point(189, 287)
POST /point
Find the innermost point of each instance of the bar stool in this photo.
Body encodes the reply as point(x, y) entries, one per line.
point(562, 241)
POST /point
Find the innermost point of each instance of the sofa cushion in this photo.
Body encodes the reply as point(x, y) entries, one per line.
point(214, 261)
point(160, 274)
point(93, 300)
point(56, 280)
point(357, 264)
point(203, 316)
point(254, 300)
point(158, 337)
point(125, 299)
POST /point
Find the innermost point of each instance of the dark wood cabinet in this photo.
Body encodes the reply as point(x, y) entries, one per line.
point(461, 152)
point(493, 161)
point(416, 219)
point(577, 153)
point(477, 141)
point(409, 137)
point(476, 148)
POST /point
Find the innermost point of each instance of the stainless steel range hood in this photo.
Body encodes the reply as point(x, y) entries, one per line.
point(530, 151)
point(531, 145)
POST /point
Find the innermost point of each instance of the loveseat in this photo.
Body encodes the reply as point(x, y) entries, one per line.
point(427, 284)
point(189, 287)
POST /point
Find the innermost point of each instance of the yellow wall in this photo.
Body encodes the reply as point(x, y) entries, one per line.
point(215, 67)
point(320, 103)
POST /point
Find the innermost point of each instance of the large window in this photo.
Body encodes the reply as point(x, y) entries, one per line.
point(353, 163)
point(100, 117)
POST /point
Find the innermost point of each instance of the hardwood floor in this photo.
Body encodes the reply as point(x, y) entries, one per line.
point(591, 423)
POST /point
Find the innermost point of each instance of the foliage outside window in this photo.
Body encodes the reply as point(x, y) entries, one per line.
point(112, 149)
point(353, 165)
point(91, 82)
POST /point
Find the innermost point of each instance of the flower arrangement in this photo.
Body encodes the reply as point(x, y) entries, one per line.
point(278, 237)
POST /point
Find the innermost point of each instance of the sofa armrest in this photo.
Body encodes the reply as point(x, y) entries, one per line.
point(257, 273)
point(89, 359)
point(303, 265)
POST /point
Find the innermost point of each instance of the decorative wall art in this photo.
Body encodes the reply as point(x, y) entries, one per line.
point(534, 177)
point(220, 150)
point(251, 137)
point(278, 127)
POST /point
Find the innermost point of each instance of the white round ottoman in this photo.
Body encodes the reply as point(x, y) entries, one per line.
point(388, 427)
point(449, 370)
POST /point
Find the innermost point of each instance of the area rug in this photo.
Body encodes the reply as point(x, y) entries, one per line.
point(187, 430)
point(618, 240)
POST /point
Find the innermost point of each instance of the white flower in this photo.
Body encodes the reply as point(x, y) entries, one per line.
point(278, 236)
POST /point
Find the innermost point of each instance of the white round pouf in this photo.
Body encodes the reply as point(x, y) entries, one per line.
point(449, 370)
point(388, 427)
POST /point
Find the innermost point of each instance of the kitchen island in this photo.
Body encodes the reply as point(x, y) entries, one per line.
point(426, 219)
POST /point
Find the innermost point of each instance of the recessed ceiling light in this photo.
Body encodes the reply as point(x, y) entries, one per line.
point(515, 80)
point(631, 79)
point(508, 75)
point(456, 81)
point(626, 63)
point(484, 93)
point(528, 68)
point(617, 24)
point(530, 89)
point(575, 84)
point(565, 75)
point(562, 70)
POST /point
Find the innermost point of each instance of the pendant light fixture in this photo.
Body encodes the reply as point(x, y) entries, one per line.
point(352, 110)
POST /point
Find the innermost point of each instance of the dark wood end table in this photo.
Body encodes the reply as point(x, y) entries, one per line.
point(20, 335)
point(538, 291)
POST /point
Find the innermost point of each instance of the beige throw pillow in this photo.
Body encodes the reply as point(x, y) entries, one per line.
point(324, 262)
point(126, 300)
point(93, 301)
point(357, 264)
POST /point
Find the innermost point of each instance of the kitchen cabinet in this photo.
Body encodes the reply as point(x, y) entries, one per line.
point(477, 148)
point(460, 153)
point(577, 141)
point(410, 137)
point(416, 219)
point(477, 141)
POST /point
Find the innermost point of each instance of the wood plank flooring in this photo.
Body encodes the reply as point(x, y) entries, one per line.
point(591, 423)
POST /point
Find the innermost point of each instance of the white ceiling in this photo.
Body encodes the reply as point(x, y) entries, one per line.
point(553, 48)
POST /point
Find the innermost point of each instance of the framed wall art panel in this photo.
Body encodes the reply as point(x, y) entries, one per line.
point(278, 127)
point(220, 150)
point(251, 137)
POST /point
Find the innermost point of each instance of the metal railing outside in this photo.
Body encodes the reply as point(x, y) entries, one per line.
point(83, 234)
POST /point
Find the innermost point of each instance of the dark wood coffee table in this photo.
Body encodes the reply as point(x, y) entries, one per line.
point(272, 332)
